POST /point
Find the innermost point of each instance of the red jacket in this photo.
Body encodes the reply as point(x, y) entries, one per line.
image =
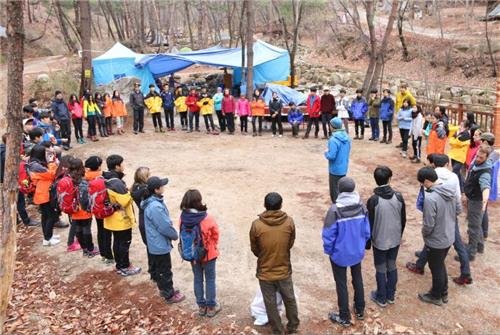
point(313, 109)
point(228, 104)
point(191, 102)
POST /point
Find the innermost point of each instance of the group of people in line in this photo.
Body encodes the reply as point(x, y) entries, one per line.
point(59, 184)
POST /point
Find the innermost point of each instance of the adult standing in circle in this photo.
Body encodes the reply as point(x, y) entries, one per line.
point(136, 101)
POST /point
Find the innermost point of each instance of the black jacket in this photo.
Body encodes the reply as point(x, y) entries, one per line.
point(136, 100)
point(114, 181)
point(275, 106)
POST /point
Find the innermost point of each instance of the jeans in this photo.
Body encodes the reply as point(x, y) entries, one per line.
point(205, 294)
point(387, 127)
point(163, 275)
point(325, 121)
point(104, 239)
point(230, 122)
point(340, 276)
point(244, 123)
point(255, 119)
point(359, 123)
point(121, 246)
point(102, 125)
point(78, 125)
point(91, 120)
point(334, 186)
point(196, 116)
point(295, 128)
point(386, 273)
point(184, 119)
point(66, 131)
point(457, 169)
point(417, 146)
point(138, 119)
point(375, 128)
point(222, 120)
point(438, 270)
point(474, 225)
point(48, 220)
point(21, 208)
point(310, 122)
point(209, 122)
point(274, 120)
point(285, 288)
point(459, 248)
point(84, 233)
point(157, 120)
point(169, 117)
point(404, 138)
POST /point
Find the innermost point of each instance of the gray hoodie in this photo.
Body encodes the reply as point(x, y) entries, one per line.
point(440, 214)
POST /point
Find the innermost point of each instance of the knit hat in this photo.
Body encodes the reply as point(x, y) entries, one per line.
point(346, 184)
point(93, 163)
point(336, 123)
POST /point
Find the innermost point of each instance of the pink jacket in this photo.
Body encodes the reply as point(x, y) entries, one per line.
point(228, 104)
point(243, 107)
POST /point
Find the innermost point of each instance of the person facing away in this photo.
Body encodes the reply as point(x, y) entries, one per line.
point(438, 230)
point(271, 238)
point(345, 233)
point(159, 233)
point(194, 213)
point(339, 148)
point(387, 215)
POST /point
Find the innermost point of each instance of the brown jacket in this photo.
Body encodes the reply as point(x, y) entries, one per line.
point(271, 238)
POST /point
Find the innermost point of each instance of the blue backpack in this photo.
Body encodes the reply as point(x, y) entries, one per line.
point(191, 243)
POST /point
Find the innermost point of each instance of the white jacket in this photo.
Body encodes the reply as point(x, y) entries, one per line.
point(416, 126)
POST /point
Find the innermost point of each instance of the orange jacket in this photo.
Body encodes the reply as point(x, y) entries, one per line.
point(43, 179)
point(118, 108)
point(107, 110)
point(435, 145)
point(258, 108)
point(210, 235)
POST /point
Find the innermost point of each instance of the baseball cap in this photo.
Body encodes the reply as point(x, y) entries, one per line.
point(156, 182)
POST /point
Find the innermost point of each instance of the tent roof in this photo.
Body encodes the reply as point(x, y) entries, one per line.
point(118, 51)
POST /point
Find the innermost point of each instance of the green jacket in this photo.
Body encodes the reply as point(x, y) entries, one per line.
point(374, 107)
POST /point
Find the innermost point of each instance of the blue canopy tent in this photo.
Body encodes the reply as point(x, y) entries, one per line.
point(286, 94)
point(119, 62)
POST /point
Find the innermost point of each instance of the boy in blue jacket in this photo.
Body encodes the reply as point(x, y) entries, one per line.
point(359, 107)
point(386, 114)
point(295, 118)
point(345, 235)
point(167, 98)
point(159, 235)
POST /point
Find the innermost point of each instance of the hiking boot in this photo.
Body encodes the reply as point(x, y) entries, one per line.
point(202, 310)
point(359, 315)
point(428, 298)
point(212, 311)
point(418, 253)
point(373, 297)
point(414, 268)
point(444, 297)
point(334, 317)
point(415, 160)
point(383, 141)
point(60, 224)
point(130, 271)
point(75, 246)
point(306, 136)
point(463, 280)
point(480, 248)
point(390, 301)
point(400, 145)
point(50, 243)
point(176, 298)
point(107, 261)
point(91, 253)
point(32, 223)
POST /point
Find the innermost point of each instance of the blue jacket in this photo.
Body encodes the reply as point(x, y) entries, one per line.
point(359, 107)
point(295, 116)
point(218, 101)
point(404, 118)
point(159, 228)
point(168, 99)
point(339, 148)
point(48, 131)
point(60, 110)
point(386, 109)
point(346, 230)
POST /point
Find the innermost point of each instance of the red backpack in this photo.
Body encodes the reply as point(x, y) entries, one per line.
point(24, 180)
point(67, 196)
point(100, 205)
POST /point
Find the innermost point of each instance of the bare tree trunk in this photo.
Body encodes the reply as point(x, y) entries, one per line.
point(106, 18)
point(85, 21)
point(201, 11)
point(250, 28)
point(15, 68)
point(492, 56)
point(141, 25)
point(64, 30)
point(29, 11)
point(401, 15)
point(242, 39)
point(114, 18)
point(188, 19)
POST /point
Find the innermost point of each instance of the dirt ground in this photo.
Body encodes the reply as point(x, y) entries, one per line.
point(234, 173)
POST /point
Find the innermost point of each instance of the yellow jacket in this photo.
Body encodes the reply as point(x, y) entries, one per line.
point(153, 103)
point(401, 97)
point(123, 218)
point(180, 104)
point(458, 148)
point(207, 108)
point(90, 108)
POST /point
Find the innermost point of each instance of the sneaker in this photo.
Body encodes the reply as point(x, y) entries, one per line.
point(444, 297)
point(75, 246)
point(463, 280)
point(56, 236)
point(91, 253)
point(176, 298)
point(107, 261)
point(428, 298)
point(202, 310)
point(413, 268)
point(359, 315)
point(130, 271)
point(50, 242)
point(390, 301)
point(273, 135)
point(334, 317)
point(415, 160)
point(418, 253)
point(280, 136)
point(373, 297)
point(403, 154)
point(400, 145)
point(212, 311)
point(383, 141)
point(32, 223)
point(480, 248)
point(371, 139)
